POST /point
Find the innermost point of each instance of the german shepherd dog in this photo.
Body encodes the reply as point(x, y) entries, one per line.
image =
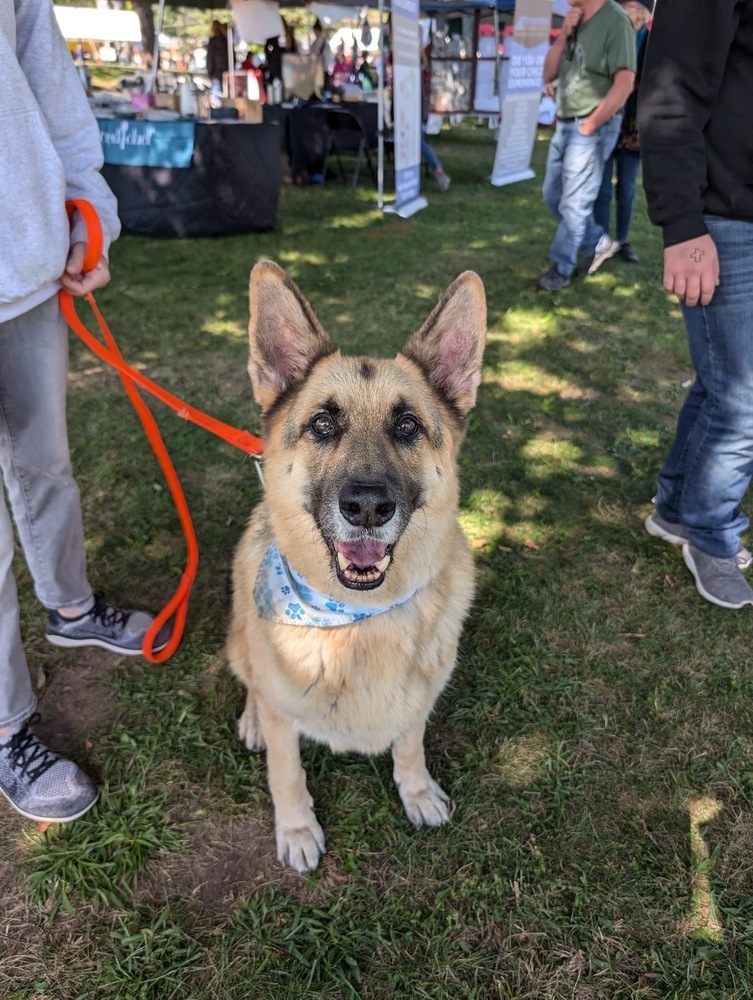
point(353, 578)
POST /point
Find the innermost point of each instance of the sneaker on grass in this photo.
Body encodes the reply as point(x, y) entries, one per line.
point(443, 179)
point(605, 248)
point(677, 534)
point(552, 280)
point(718, 580)
point(38, 783)
point(102, 625)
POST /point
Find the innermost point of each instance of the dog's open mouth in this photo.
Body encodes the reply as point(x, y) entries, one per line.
point(361, 565)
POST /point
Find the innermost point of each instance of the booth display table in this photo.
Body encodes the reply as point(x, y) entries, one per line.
point(193, 178)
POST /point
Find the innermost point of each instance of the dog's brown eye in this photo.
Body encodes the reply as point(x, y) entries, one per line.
point(407, 426)
point(323, 425)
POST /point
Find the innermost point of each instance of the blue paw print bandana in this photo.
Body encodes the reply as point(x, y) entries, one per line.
point(282, 595)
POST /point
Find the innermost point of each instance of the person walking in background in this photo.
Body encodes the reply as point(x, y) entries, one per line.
point(625, 162)
point(593, 59)
point(695, 119)
point(56, 154)
point(320, 51)
point(218, 61)
point(428, 154)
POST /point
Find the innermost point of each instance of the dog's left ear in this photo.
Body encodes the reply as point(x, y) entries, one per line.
point(449, 347)
point(285, 337)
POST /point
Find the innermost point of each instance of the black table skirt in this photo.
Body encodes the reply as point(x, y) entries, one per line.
point(232, 185)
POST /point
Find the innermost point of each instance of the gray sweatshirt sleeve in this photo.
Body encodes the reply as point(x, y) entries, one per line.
point(47, 64)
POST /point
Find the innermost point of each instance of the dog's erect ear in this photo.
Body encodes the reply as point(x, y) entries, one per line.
point(450, 345)
point(284, 335)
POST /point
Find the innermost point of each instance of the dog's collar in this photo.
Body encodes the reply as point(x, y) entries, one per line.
point(282, 595)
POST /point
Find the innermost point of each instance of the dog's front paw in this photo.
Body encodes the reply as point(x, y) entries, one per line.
point(427, 805)
point(301, 847)
point(249, 731)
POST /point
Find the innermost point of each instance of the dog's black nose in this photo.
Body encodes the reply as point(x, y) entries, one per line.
point(367, 505)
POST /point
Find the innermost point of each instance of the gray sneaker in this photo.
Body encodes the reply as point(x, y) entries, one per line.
point(677, 534)
point(111, 628)
point(718, 580)
point(41, 785)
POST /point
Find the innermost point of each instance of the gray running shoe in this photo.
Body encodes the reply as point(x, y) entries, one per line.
point(718, 580)
point(677, 534)
point(111, 628)
point(669, 531)
point(41, 785)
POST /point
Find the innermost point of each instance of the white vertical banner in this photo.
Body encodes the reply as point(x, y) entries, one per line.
point(406, 107)
point(526, 49)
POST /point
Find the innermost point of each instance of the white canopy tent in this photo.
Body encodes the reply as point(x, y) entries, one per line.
point(98, 25)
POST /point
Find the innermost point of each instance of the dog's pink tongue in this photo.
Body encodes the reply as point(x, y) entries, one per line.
point(365, 553)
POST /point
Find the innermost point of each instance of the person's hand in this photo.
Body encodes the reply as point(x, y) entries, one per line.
point(588, 126)
point(78, 282)
point(691, 270)
point(571, 21)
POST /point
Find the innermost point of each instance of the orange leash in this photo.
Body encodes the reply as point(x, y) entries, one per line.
point(131, 377)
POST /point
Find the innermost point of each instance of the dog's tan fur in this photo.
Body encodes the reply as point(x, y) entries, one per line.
point(367, 686)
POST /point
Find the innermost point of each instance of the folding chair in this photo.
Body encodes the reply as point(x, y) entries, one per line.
point(346, 136)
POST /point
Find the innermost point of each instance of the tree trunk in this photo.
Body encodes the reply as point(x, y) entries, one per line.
point(146, 19)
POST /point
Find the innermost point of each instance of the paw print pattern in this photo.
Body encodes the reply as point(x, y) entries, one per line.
point(263, 596)
point(295, 612)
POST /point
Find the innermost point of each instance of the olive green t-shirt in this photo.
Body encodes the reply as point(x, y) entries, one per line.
point(604, 44)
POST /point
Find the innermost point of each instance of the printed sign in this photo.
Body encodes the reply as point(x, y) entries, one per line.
point(527, 49)
point(134, 143)
point(406, 89)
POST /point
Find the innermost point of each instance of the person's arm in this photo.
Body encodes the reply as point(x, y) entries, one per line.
point(557, 48)
point(52, 77)
point(685, 58)
point(610, 104)
point(554, 57)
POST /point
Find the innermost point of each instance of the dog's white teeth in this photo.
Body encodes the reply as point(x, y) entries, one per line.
point(382, 566)
point(342, 562)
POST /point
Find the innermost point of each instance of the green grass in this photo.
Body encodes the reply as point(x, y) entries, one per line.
point(598, 701)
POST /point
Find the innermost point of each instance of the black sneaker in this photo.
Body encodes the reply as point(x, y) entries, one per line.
point(41, 785)
point(553, 280)
point(111, 628)
point(627, 253)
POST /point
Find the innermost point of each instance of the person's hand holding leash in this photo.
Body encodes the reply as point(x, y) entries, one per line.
point(691, 270)
point(79, 282)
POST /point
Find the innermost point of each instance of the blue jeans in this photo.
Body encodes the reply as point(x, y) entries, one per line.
point(428, 155)
point(626, 166)
point(39, 482)
point(574, 168)
point(709, 466)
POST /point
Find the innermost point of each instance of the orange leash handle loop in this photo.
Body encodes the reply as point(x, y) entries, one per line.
point(130, 377)
point(95, 241)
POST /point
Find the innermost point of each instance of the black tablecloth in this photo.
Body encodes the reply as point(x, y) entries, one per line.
point(306, 133)
point(232, 185)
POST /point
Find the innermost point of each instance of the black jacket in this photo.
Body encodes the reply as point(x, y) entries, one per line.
point(695, 115)
point(217, 57)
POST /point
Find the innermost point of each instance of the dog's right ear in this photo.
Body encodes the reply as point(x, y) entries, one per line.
point(285, 337)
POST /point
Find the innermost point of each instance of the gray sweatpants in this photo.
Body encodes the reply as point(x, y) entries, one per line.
point(43, 495)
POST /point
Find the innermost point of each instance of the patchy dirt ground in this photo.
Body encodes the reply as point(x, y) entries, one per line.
point(72, 701)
